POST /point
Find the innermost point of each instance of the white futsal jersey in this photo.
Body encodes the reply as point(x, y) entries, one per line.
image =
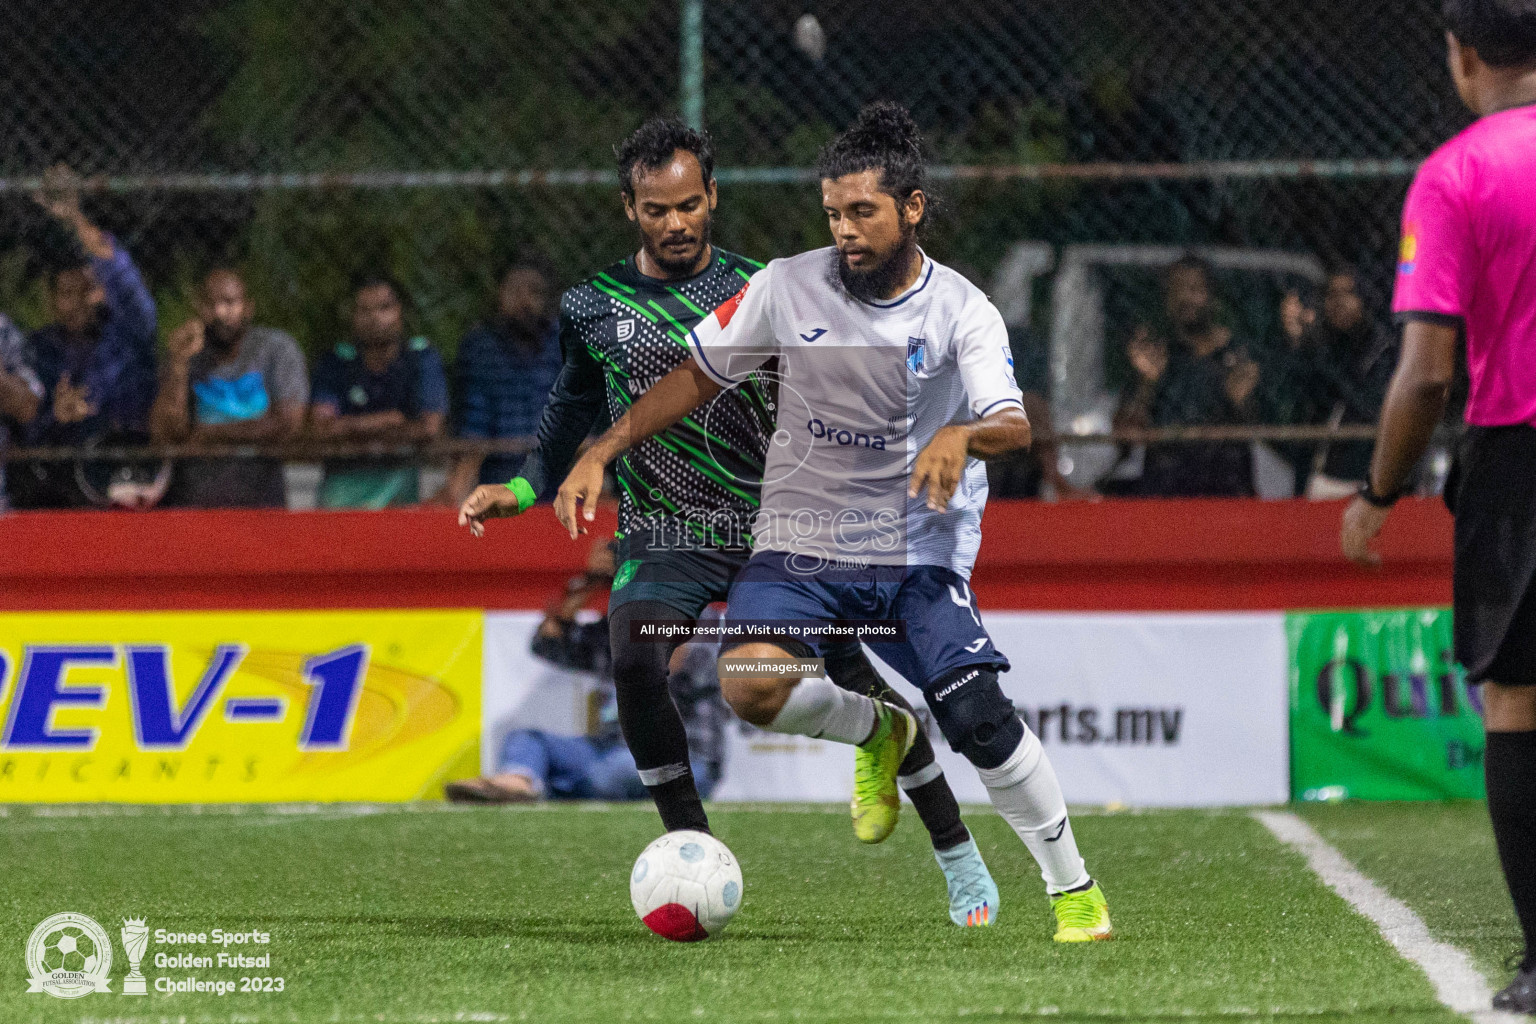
point(862, 388)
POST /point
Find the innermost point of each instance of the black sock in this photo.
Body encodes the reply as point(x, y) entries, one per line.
point(848, 667)
point(1510, 768)
point(649, 718)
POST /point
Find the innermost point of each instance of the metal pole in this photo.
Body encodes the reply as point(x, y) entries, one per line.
point(691, 63)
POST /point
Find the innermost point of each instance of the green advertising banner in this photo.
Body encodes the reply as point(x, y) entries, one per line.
point(1379, 709)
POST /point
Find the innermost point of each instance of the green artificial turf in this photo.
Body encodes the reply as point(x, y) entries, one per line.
point(1440, 860)
point(429, 914)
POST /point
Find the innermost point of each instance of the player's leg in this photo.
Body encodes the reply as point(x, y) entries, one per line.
point(922, 778)
point(648, 717)
point(948, 646)
point(1509, 765)
point(769, 590)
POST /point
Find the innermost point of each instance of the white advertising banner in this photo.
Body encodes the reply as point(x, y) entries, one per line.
point(1141, 709)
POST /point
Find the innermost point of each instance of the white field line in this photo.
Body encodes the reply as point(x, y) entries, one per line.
point(1458, 984)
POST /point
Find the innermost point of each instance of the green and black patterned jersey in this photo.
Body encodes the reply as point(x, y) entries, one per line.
point(620, 333)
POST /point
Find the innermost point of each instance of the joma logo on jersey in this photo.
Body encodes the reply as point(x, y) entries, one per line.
point(845, 438)
point(626, 329)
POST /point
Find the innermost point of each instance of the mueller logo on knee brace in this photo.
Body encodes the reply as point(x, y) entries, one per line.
point(952, 687)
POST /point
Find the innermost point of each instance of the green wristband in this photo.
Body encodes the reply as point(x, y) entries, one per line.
point(524, 491)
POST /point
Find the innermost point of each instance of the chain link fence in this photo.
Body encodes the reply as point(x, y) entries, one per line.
point(307, 139)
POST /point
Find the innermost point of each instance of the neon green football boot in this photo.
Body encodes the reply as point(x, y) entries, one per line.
point(1082, 916)
point(876, 801)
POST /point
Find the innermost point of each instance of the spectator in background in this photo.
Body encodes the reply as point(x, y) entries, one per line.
point(96, 361)
point(1188, 371)
point(503, 374)
point(226, 381)
point(21, 393)
point(380, 385)
point(1354, 357)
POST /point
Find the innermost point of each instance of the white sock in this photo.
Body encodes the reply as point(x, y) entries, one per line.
point(819, 707)
point(1025, 792)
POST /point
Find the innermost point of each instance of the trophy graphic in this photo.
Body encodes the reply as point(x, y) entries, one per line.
point(135, 939)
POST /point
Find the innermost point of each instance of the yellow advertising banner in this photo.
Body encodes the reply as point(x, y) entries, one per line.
point(210, 707)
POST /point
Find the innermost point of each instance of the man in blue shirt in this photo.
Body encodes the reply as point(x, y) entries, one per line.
point(96, 361)
point(381, 385)
point(503, 375)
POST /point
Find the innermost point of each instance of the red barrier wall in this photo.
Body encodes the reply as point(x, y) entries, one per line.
point(1128, 555)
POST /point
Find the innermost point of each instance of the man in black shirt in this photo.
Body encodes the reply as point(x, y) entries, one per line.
point(1190, 372)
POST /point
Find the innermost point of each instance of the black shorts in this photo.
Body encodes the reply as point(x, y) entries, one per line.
point(1492, 493)
point(685, 578)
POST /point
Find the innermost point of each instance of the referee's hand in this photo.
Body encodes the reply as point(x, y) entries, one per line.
point(488, 501)
point(1362, 522)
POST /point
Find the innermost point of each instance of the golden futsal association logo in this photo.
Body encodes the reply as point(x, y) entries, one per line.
point(68, 956)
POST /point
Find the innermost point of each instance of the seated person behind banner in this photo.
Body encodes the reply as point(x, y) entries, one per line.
point(1189, 372)
point(96, 362)
point(225, 381)
point(380, 385)
point(21, 393)
point(535, 764)
point(503, 374)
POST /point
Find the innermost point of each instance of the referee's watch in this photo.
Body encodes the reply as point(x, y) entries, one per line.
point(1378, 500)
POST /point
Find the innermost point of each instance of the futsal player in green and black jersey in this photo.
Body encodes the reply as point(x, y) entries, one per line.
point(688, 495)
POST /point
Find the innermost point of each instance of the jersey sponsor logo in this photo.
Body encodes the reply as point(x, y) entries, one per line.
point(808, 338)
point(626, 329)
point(916, 347)
point(843, 436)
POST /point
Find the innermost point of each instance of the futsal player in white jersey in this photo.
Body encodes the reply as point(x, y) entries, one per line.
point(894, 383)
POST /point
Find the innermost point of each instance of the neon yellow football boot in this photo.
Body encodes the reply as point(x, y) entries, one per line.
point(1082, 916)
point(876, 801)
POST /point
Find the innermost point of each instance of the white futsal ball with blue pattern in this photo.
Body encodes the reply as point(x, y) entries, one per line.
point(686, 886)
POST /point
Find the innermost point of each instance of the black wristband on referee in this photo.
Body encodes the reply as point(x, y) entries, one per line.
point(1379, 500)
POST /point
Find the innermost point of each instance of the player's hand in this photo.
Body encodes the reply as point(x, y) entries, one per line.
point(1362, 522)
point(488, 501)
point(1148, 355)
point(576, 501)
point(940, 466)
point(185, 341)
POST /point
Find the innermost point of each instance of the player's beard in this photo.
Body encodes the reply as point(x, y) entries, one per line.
point(877, 282)
point(676, 266)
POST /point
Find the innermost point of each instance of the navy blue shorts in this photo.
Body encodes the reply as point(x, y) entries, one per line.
point(943, 627)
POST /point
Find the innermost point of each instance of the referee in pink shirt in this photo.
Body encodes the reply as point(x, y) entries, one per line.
point(1468, 265)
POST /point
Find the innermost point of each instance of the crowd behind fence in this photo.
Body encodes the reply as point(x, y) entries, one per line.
point(304, 142)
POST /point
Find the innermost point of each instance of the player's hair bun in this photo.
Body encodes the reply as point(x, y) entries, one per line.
point(886, 126)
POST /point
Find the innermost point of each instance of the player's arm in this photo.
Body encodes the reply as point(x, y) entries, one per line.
point(729, 343)
point(673, 397)
point(1414, 405)
point(574, 404)
point(942, 463)
point(1000, 426)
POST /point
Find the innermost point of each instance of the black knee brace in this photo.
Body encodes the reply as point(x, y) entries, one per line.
point(975, 717)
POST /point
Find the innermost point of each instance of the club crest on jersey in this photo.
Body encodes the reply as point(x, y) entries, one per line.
point(915, 350)
point(626, 329)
